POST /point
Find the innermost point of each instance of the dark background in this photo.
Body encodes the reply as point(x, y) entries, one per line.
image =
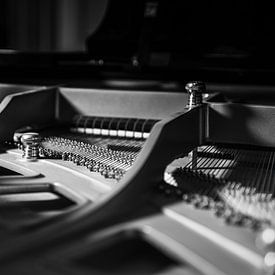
point(48, 25)
point(230, 41)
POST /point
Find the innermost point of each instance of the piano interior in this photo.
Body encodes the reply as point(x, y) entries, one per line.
point(151, 152)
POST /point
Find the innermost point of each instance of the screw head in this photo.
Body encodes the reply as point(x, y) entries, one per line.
point(30, 138)
point(17, 137)
point(195, 87)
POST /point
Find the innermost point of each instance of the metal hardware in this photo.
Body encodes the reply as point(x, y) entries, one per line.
point(31, 143)
point(195, 90)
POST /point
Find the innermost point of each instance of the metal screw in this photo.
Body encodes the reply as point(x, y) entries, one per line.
point(31, 143)
point(195, 90)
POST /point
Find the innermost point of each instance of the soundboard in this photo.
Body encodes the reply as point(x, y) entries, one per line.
point(106, 181)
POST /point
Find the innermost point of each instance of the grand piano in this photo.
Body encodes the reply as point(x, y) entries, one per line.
point(145, 146)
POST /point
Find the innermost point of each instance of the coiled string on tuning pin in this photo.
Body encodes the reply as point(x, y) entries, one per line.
point(108, 145)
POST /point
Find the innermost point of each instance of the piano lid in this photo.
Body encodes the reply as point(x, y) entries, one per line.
point(208, 38)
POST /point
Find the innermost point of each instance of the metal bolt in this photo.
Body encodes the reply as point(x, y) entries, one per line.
point(195, 90)
point(31, 143)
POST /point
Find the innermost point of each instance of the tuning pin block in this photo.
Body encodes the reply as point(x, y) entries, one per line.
point(31, 143)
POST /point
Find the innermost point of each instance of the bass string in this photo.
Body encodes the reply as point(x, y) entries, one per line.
point(270, 191)
point(264, 164)
point(224, 166)
point(221, 164)
point(201, 161)
point(235, 166)
point(264, 206)
point(232, 184)
point(239, 196)
point(211, 190)
point(245, 168)
point(207, 149)
point(206, 160)
point(264, 184)
point(229, 166)
point(271, 184)
point(209, 166)
point(236, 155)
point(254, 171)
point(260, 171)
point(240, 172)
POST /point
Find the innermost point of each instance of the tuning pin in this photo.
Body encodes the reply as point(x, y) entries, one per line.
point(195, 90)
point(31, 143)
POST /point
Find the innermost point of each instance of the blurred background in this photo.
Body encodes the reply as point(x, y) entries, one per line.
point(51, 25)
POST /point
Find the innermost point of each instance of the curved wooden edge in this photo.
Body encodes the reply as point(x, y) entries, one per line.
point(177, 134)
point(36, 106)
